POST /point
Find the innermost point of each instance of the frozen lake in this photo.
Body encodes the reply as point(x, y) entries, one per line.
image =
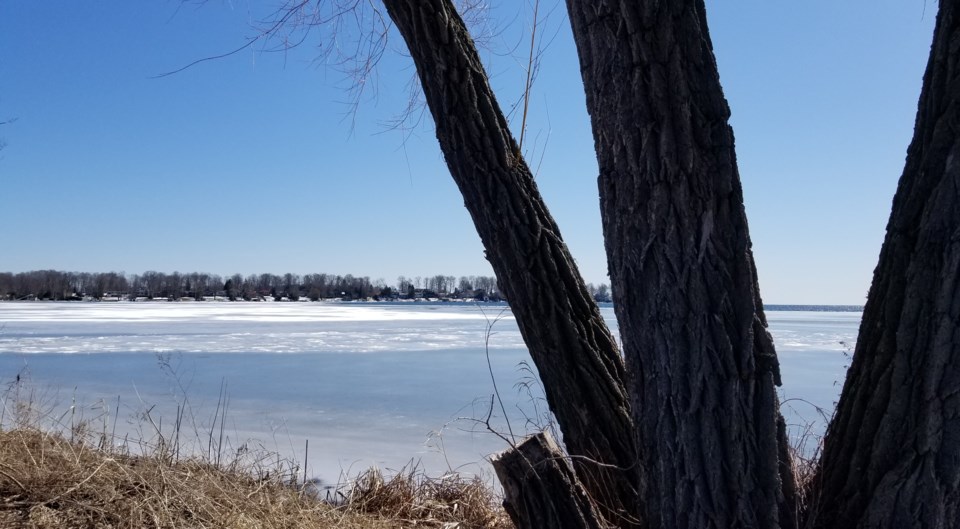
point(366, 384)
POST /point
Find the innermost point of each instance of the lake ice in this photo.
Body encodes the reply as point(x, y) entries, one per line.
point(366, 384)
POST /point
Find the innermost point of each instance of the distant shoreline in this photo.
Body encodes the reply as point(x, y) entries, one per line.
point(814, 308)
point(779, 307)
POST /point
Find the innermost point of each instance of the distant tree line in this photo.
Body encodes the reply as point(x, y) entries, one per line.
point(57, 285)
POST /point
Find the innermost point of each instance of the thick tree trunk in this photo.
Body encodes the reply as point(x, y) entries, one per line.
point(576, 356)
point(540, 489)
point(702, 364)
point(892, 453)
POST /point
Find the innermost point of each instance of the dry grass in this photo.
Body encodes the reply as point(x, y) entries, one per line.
point(67, 470)
point(48, 481)
point(413, 498)
point(806, 442)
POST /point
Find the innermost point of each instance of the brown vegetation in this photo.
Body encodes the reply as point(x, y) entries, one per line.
point(49, 481)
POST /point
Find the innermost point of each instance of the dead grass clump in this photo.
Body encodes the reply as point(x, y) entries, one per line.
point(48, 481)
point(806, 448)
point(412, 497)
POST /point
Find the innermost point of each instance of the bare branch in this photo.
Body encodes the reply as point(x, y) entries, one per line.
point(352, 38)
point(3, 143)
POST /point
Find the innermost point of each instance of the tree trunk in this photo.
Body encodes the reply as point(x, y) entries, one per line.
point(540, 489)
point(576, 356)
point(892, 453)
point(702, 364)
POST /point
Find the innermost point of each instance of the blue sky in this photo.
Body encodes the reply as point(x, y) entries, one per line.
point(254, 163)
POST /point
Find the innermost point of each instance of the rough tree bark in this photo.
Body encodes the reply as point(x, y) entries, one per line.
point(575, 354)
point(712, 446)
point(540, 489)
point(703, 367)
point(892, 453)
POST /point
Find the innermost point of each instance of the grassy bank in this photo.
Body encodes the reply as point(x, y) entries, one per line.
point(67, 466)
point(50, 481)
point(63, 469)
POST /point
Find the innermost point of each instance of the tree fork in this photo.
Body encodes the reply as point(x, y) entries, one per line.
point(576, 356)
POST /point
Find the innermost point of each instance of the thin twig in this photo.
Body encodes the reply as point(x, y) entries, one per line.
point(493, 379)
point(529, 84)
point(78, 485)
point(11, 478)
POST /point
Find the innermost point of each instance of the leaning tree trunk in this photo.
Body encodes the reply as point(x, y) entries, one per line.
point(575, 354)
point(892, 453)
point(703, 367)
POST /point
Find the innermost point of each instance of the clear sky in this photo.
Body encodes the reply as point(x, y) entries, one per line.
point(254, 163)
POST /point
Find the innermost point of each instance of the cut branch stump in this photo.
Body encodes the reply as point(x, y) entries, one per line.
point(541, 490)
